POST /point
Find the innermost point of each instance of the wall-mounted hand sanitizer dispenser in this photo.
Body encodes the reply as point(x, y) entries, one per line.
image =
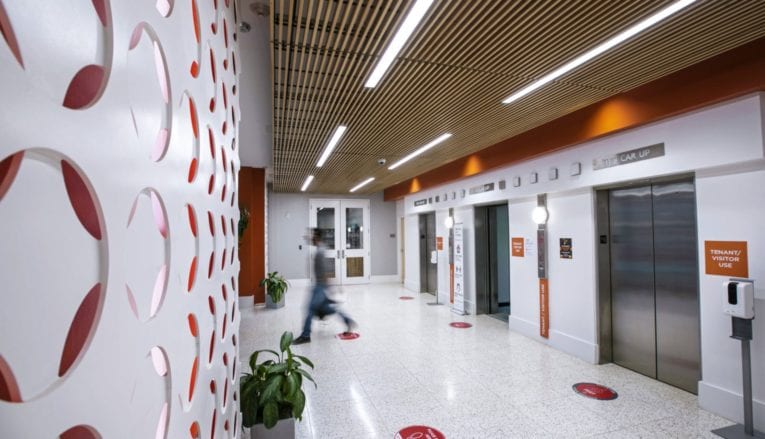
point(738, 299)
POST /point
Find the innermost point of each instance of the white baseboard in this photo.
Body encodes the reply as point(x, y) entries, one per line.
point(412, 286)
point(299, 282)
point(558, 340)
point(574, 346)
point(729, 404)
point(386, 279)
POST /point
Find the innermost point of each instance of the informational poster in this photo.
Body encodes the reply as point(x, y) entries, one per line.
point(517, 247)
point(544, 309)
point(726, 258)
point(439, 243)
point(531, 247)
point(565, 249)
point(459, 285)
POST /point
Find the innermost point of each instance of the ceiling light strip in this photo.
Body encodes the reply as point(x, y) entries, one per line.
point(307, 183)
point(592, 53)
point(420, 151)
point(362, 184)
point(397, 43)
point(331, 144)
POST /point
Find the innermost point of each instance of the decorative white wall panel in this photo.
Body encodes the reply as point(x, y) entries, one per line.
point(118, 255)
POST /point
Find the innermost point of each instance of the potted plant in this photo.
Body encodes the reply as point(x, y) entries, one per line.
point(276, 286)
point(271, 396)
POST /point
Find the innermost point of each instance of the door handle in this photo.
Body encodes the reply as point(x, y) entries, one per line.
point(343, 252)
point(338, 254)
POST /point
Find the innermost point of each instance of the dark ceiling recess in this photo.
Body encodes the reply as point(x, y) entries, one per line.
point(461, 62)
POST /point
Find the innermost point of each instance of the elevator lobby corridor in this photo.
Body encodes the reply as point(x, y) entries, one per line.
point(409, 367)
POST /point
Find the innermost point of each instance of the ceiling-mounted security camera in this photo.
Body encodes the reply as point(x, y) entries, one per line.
point(244, 27)
point(381, 162)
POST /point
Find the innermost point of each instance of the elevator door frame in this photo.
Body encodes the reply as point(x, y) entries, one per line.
point(604, 293)
point(487, 269)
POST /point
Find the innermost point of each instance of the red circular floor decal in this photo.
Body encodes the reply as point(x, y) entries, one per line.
point(419, 432)
point(406, 298)
point(348, 335)
point(595, 391)
point(460, 325)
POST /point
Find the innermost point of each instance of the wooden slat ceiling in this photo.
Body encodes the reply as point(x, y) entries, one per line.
point(464, 58)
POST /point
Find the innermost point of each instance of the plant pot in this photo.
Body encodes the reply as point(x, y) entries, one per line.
point(285, 428)
point(273, 305)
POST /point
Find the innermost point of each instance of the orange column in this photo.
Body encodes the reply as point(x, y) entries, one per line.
point(252, 249)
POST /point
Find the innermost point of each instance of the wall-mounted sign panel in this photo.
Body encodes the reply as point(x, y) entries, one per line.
point(517, 247)
point(631, 156)
point(459, 281)
point(544, 308)
point(565, 248)
point(488, 187)
point(726, 258)
point(439, 243)
point(422, 202)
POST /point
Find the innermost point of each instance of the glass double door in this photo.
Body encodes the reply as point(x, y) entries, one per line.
point(344, 226)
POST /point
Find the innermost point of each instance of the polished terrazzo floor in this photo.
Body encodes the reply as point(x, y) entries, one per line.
point(409, 367)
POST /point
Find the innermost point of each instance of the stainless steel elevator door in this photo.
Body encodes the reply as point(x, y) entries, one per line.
point(428, 270)
point(632, 280)
point(676, 278)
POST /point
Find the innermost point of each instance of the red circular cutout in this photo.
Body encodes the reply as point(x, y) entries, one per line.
point(461, 325)
point(348, 335)
point(406, 298)
point(595, 391)
point(419, 432)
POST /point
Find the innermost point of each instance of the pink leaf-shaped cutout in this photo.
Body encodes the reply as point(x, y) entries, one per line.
point(162, 424)
point(80, 432)
point(164, 7)
point(160, 145)
point(8, 170)
point(159, 290)
point(82, 200)
point(159, 65)
point(85, 87)
point(159, 214)
point(82, 327)
point(100, 7)
point(159, 360)
point(9, 388)
point(10, 38)
point(131, 301)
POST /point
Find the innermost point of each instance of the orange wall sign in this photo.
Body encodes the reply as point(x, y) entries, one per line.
point(439, 243)
point(517, 246)
point(726, 258)
point(544, 309)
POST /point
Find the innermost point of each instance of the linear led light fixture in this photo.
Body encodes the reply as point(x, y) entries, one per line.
point(420, 151)
point(333, 141)
point(402, 35)
point(362, 184)
point(592, 53)
point(307, 183)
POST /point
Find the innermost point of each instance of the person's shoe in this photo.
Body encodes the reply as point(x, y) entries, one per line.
point(301, 340)
point(351, 325)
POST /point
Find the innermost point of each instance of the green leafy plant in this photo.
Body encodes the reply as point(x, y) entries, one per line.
point(244, 220)
point(273, 390)
point(275, 285)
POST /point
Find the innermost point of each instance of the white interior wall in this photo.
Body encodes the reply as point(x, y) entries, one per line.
point(442, 269)
point(723, 144)
point(412, 250)
point(730, 207)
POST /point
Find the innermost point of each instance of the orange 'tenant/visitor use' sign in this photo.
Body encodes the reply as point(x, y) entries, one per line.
point(439, 243)
point(726, 258)
point(544, 308)
point(517, 246)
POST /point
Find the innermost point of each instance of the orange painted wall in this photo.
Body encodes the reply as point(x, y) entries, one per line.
point(735, 73)
point(252, 248)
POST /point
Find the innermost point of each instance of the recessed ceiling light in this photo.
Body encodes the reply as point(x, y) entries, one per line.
point(362, 184)
point(307, 183)
point(420, 151)
point(592, 53)
point(397, 43)
point(333, 141)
